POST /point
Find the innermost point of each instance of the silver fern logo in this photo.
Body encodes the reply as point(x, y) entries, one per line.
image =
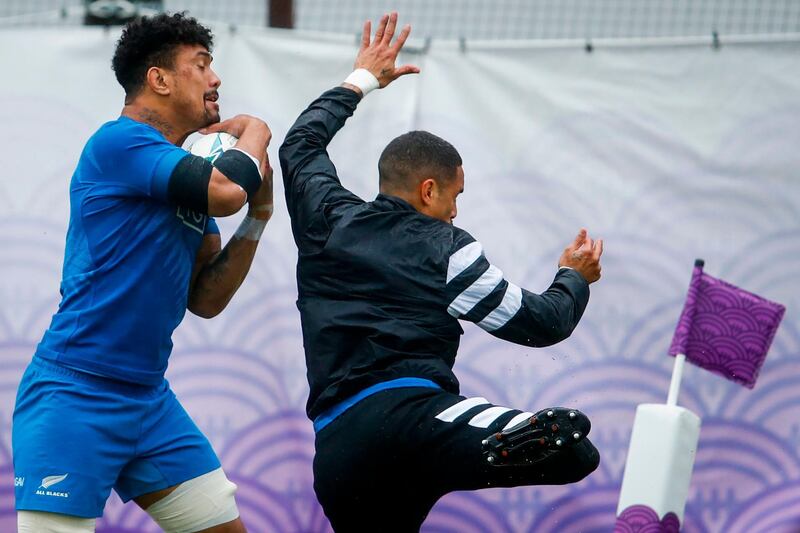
point(49, 481)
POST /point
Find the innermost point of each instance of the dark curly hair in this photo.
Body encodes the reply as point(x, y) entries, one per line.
point(152, 42)
point(413, 154)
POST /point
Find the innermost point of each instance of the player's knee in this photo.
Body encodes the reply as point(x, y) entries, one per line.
point(200, 503)
point(41, 522)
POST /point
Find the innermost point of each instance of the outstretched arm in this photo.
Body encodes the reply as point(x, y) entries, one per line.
point(477, 291)
point(309, 176)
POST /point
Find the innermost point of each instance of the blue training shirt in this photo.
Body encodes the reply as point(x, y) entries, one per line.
point(128, 259)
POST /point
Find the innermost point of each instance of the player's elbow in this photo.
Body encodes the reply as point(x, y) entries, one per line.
point(205, 308)
point(225, 199)
point(284, 152)
point(548, 333)
point(558, 333)
point(554, 322)
point(287, 158)
point(559, 328)
point(297, 150)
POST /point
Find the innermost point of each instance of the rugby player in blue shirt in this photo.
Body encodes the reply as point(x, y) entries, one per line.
point(93, 410)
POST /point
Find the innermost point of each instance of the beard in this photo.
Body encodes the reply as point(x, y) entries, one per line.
point(192, 115)
point(211, 108)
point(209, 118)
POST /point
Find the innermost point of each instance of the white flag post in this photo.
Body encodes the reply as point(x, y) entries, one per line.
point(677, 375)
point(660, 460)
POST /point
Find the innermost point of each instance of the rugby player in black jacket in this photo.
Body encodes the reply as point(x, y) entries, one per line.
point(382, 286)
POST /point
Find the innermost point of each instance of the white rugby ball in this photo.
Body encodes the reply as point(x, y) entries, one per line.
point(211, 146)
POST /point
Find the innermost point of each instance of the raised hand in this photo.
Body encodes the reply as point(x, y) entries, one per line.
point(379, 54)
point(583, 255)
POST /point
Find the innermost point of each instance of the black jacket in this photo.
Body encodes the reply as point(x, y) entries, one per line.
point(382, 286)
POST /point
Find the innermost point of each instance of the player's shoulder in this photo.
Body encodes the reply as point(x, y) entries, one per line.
point(461, 238)
point(443, 239)
point(123, 133)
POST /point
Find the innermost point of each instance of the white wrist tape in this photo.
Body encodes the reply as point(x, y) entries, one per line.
point(364, 80)
point(250, 229)
point(266, 208)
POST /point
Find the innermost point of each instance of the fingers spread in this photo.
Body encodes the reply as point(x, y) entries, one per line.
point(365, 34)
point(401, 39)
point(390, 26)
point(381, 29)
point(579, 239)
point(405, 69)
point(598, 249)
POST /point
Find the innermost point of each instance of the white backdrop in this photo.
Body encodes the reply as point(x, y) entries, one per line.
point(667, 152)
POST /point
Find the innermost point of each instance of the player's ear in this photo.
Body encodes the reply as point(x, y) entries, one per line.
point(427, 191)
point(157, 80)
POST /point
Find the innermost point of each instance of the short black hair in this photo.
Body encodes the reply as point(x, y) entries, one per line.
point(412, 156)
point(152, 42)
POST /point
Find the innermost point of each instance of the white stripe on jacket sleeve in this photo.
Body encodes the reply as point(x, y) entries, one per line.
point(512, 301)
point(462, 259)
point(480, 289)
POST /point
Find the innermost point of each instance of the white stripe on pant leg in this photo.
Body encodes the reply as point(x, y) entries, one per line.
point(453, 412)
point(517, 419)
point(482, 420)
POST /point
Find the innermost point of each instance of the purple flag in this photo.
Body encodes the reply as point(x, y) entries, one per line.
point(725, 329)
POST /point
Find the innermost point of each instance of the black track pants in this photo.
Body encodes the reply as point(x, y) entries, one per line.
point(383, 463)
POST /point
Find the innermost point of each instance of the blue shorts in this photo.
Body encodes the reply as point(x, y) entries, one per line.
point(76, 436)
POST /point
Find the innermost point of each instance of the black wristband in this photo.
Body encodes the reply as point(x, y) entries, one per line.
point(188, 184)
point(240, 169)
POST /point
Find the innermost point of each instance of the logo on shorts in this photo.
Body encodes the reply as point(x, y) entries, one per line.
point(48, 482)
point(19, 481)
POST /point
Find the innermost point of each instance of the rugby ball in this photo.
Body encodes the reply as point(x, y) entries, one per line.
point(211, 146)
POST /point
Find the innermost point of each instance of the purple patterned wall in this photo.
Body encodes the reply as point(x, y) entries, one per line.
point(667, 153)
